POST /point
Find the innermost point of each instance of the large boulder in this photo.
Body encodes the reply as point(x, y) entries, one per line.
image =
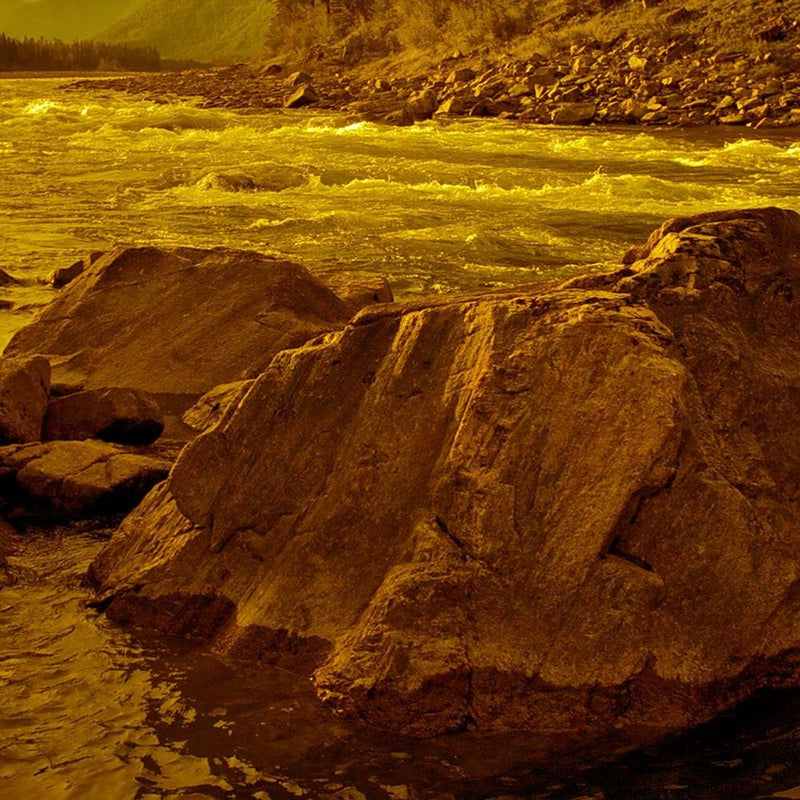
point(24, 394)
point(572, 508)
point(60, 481)
point(177, 321)
point(126, 416)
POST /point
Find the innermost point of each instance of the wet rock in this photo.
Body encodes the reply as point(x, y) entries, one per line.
point(423, 105)
point(401, 118)
point(571, 508)
point(58, 481)
point(453, 106)
point(214, 404)
point(303, 96)
point(273, 70)
point(574, 114)
point(125, 416)
point(227, 182)
point(6, 279)
point(178, 321)
point(24, 394)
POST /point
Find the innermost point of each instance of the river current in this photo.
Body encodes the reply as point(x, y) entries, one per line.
point(90, 711)
point(434, 207)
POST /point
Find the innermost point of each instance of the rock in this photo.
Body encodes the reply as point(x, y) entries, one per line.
point(8, 542)
point(6, 279)
point(125, 416)
point(565, 508)
point(297, 79)
point(214, 404)
point(453, 106)
point(422, 105)
point(637, 62)
point(273, 70)
point(461, 75)
point(60, 277)
point(401, 118)
point(774, 30)
point(177, 321)
point(632, 109)
point(24, 394)
point(543, 76)
point(59, 481)
point(303, 96)
point(574, 114)
point(227, 182)
point(358, 290)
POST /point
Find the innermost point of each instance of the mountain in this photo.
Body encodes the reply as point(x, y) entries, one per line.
point(217, 31)
point(61, 19)
point(8, 8)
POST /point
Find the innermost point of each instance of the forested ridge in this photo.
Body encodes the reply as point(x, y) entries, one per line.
point(41, 54)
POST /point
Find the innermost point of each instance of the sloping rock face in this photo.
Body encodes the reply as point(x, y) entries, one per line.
point(60, 481)
point(562, 509)
point(24, 394)
point(177, 321)
point(214, 404)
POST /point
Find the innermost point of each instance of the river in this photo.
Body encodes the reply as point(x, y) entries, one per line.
point(434, 207)
point(90, 711)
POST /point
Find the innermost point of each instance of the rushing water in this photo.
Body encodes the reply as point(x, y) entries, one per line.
point(88, 711)
point(435, 207)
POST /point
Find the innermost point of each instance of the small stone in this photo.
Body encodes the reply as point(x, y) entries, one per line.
point(462, 75)
point(298, 79)
point(574, 114)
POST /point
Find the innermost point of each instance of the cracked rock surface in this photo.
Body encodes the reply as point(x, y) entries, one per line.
point(569, 508)
point(58, 481)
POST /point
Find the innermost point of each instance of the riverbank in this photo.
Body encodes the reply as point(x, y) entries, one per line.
point(679, 80)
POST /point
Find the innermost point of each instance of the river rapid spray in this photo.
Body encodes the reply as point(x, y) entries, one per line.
point(87, 710)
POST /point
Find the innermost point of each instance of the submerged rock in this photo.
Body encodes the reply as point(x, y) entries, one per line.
point(59, 481)
point(570, 508)
point(177, 321)
point(24, 394)
point(125, 416)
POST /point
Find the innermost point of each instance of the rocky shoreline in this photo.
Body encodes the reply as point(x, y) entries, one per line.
point(682, 82)
point(551, 508)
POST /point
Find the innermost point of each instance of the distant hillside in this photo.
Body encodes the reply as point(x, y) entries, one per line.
point(216, 31)
point(7, 10)
point(61, 19)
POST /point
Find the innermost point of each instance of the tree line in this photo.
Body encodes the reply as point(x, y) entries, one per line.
point(44, 55)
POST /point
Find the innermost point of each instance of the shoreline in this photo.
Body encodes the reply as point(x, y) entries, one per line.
point(631, 83)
